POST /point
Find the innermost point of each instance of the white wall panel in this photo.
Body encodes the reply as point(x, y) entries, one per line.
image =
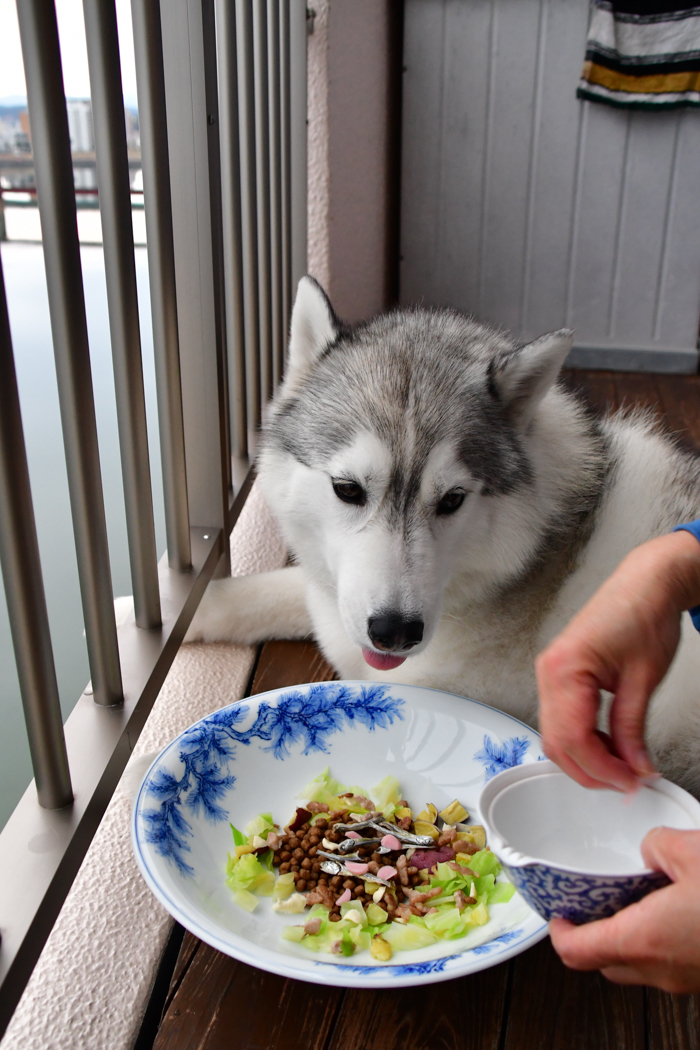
point(532, 209)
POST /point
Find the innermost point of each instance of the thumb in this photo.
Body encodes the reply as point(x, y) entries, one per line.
point(677, 853)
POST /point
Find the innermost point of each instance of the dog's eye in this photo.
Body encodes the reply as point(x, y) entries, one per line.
point(450, 502)
point(350, 492)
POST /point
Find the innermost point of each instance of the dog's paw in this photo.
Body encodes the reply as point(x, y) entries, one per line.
point(252, 609)
point(216, 619)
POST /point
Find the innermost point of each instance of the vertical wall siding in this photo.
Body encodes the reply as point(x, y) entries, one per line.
point(530, 208)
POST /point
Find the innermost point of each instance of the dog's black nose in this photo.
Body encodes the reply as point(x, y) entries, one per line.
point(392, 633)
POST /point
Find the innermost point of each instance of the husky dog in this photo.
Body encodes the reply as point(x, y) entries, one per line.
point(449, 507)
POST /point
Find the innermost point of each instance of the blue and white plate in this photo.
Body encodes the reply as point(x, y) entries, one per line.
point(257, 755)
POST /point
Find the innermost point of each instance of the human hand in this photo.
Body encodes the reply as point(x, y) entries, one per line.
point(622, 641)
point(655, 941)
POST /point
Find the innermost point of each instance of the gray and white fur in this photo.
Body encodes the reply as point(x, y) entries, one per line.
point(446, 501)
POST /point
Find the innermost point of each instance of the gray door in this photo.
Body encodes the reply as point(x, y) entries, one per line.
point(534, 210)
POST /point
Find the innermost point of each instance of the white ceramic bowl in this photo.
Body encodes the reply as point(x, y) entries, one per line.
point(575, 852)
point(257, 755)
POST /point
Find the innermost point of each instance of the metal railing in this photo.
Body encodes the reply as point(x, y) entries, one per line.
point(221, 90)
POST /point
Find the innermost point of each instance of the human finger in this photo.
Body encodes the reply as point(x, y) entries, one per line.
point(625, 975)
point(677, 853)
point(628, 716)
point(568, 766)
point(589, 947)
point(569, 700)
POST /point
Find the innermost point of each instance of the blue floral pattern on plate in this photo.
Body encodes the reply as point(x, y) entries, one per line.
point(305, 718)
point(505, 938)
point(497, 757)
point(404, 970)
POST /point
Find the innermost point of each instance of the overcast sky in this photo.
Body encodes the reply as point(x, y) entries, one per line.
point(73, 51)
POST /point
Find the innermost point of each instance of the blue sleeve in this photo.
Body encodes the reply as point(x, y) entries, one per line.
point(694, 528)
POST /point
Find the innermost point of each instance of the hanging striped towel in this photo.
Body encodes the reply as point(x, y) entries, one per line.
point(643, 54)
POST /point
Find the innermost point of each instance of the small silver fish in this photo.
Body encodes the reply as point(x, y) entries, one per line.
point(349, 844)
point(334, 867)
point(388, 829)
point(403, 836)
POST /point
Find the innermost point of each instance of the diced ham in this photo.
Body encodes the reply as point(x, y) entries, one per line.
point(428, 858)
point(391, 842)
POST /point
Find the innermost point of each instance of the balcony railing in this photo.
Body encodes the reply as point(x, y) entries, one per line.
point(221, 91)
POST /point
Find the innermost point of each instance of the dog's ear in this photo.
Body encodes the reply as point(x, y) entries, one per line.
point(313, 327)
point(524, 377)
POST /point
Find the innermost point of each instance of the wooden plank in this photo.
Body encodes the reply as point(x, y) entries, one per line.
point(648, 176)
point(464, 161)
point(222, 1002)
point(673, 1021)
point(188, 949)
point(514, 83)
point(679, 299)
point(290, 663)
point(680, 398)
point(638, 389)
point(196, 1003)
point(464, 1014)
point(598, 388)
point(554, 167)
point(552, 1008)
point(420, 160)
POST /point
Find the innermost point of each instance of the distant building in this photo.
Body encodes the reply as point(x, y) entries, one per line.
point(82, 136)
point(133, 134)
point(7, 136)
point(14, 130)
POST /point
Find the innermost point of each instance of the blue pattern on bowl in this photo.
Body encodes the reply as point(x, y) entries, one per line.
point(580, 898)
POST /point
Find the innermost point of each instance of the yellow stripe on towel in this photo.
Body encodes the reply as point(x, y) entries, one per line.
point(660, 83)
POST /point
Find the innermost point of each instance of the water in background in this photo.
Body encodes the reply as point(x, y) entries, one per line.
point(25, 281)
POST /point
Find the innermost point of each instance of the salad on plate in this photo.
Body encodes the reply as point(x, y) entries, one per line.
point(362, 872)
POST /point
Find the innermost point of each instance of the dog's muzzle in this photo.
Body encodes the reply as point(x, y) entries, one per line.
point(393, 633)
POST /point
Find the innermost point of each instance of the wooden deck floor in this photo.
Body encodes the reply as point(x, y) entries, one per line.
point(532, 1002)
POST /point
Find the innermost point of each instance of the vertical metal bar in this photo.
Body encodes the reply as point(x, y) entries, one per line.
point(274, 105)
point(297, 139)
point(54, 180)
point(285, 175)
point(249, 241)
point(209, 81)
point(115, 210)
point(148, 47)
point(24, 591)
point(189, 62)
point(229, 134)
point(262, 163)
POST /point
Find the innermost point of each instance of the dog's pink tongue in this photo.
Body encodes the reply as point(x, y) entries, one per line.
point(382, 661)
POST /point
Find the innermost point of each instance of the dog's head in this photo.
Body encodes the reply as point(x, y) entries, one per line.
point(387, 452)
